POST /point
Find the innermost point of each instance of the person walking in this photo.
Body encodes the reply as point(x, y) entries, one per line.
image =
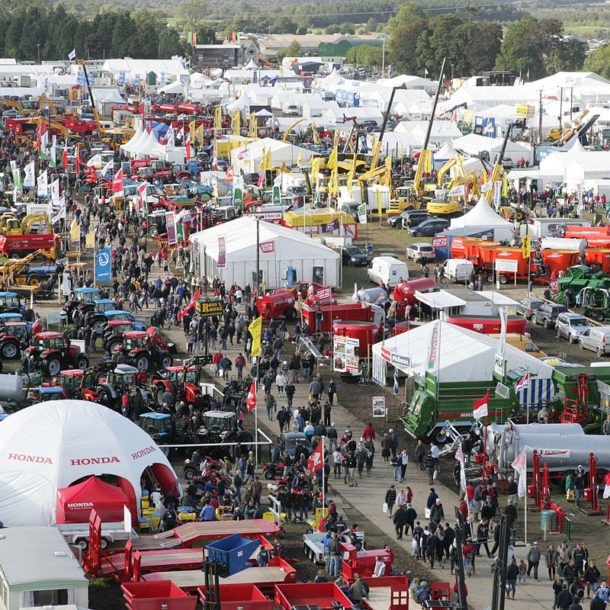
point(550, 559)
point(533, 560)
point(390, 499)
point(404, 462)
point(512, 573)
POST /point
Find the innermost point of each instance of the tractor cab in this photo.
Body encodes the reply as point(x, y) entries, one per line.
point(218, 423)
point(119, 314)
point(45, 393)
point(135, 340)
point(10, 316)
point(123, 376)
point(10, 301)
point(160, 426)
point(74, 381)
point(104, 305)
point(178, 375)
point(19, 330)
point(48, 341)
point(85, 295)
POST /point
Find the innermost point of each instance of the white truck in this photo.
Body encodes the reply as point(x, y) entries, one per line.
point(77, 534)
point(458, 269)
point(388, 271)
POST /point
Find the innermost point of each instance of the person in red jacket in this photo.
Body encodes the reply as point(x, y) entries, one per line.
point(464, 508)
point(216, 360)
point(368, 434)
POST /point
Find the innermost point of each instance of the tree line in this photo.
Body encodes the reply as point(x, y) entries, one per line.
point(530, 47)
point(50, 33)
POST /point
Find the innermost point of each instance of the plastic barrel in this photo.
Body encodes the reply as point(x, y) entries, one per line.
point(547, 520)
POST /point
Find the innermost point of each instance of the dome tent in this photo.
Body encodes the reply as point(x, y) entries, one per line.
point(55, 444)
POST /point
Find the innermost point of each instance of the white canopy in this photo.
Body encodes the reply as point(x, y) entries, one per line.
point(481, 216)
point(54, 444)
point(464, 355)
point(279, 248)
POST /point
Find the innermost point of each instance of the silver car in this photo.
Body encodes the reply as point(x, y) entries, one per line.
point(571, 326)
point(421, 252)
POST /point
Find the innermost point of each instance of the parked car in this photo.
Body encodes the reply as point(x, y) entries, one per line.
point(291, 440)
point(546, 314)
point(421, 253)
point(353, 256)
point(571, 326)
point(527, 307)
point(597, 339)
point(416, 217)
point(429, 228)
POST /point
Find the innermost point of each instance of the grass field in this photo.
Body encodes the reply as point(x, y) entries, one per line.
point(385, 239)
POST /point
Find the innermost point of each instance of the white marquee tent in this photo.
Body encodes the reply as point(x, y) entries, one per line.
point(464, 355)
point(57, 443)
point(279, 248)
point(249, 158)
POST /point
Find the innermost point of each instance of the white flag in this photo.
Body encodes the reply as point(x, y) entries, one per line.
point(457, 191)
point(29, 179)
point(486, 186)
point(54, 192)
point(53, 155)
point(42, 185)
point(72, 55)
point(61, 213)
point(459, 456)
point(171, 141)
point(520, 465)
point(95, 161)
point(108, 169)
point(44, 145)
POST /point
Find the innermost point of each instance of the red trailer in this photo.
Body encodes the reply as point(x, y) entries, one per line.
point(404, 293)
point(155, 595)
point(246, 596)
point(405, 326)
point(599, 258)
point(277, 304)
point(323, 595)
point(489, 325)
point(346, 312)
point(367, 334)
point(20, 245)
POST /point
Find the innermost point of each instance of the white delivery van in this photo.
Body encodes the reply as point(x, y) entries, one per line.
point(388, 271)
point(458, 269)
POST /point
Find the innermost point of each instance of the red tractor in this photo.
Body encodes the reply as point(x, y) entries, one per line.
point(181, 381)
point(55, 353)
point(144, 349)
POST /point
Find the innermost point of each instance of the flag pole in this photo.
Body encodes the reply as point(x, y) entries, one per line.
point(323, 475)
point(256, 421)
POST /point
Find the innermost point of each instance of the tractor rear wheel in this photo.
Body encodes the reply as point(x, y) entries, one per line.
point(9, 350)
point(53, 366)
point(142, 363)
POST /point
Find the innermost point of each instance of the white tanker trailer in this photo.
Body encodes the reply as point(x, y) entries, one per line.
point(561, 446)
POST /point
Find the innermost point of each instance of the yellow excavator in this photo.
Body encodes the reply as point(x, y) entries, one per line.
point(15, 272)
point(10, 224)
point(115, 136)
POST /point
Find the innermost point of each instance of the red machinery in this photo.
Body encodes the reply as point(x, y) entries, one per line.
point(20, 245)
point(362, 562)
point(367, 334)
point(277, 304)
point(322, 595)
point(404, 293)
point(591, 492)
point(157, 594)
point(345, 312)
point(246, 596)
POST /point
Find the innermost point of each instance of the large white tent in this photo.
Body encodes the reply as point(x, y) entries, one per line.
point(279, 248)
point(482, 217)
point(57, 443)
point(463, 355)
point(474, 144)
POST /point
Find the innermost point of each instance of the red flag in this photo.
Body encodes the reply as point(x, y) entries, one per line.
point(188, 148)
point(117, 183)
point(481, 408)
point(316, 459)
point(229, 176)
point(251, 401)
point(64, 158)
